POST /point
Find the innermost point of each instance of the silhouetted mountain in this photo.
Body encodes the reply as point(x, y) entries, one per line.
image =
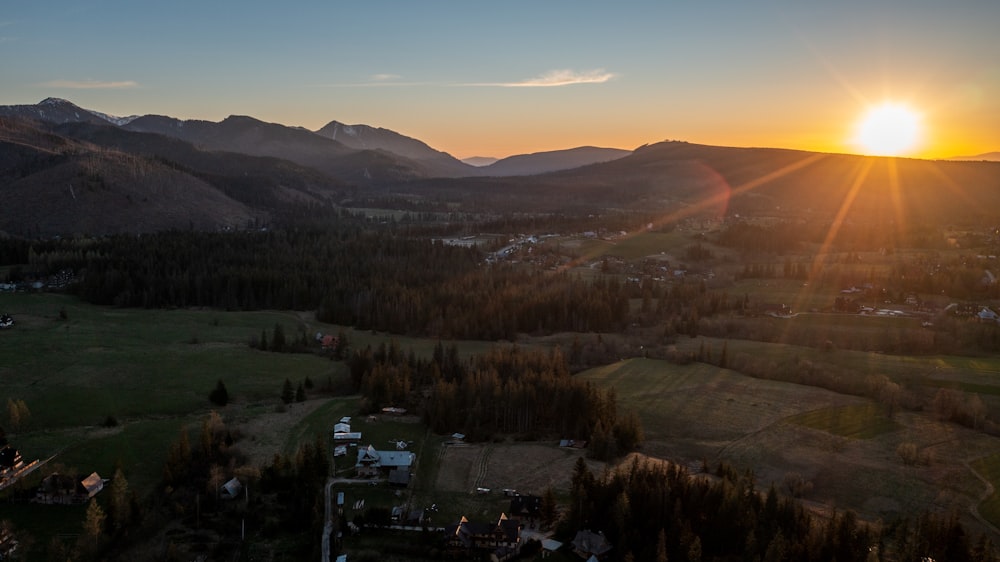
point(157, 171)
point(552, 161)
point(987, 156)
point(480, 161)
point(54, 110)
point(364, 137)
point(799, 183)
point(56, 186)
point(259, 181)
point(251, 136)
point(87, 178)
point(675, 180)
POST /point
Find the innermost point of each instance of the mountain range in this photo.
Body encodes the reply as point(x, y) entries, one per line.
point(65, 170)
point(358, 153)
point(986, 156)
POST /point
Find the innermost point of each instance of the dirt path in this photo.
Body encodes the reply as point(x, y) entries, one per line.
point(484, 465)
point(974, 507)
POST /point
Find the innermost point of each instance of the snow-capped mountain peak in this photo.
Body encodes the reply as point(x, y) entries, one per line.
point(120, 121)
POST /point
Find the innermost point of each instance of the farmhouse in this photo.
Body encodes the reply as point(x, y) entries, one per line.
point(502, 540)
point(372, 463)
point(65, 489)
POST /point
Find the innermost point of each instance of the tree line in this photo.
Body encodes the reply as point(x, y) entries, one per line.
point(507, 390)
point(658, 511)
point(368, 278)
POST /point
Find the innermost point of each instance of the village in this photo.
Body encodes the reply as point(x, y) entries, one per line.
point(504, 537)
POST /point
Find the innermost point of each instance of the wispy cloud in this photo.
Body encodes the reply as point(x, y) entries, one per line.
point(550, 79)
point(554, 78)
point(90, 84)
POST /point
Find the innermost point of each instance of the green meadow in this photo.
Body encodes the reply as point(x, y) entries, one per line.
point(858, 421)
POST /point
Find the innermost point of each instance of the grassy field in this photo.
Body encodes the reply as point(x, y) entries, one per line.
point(152, 370)
point(74, 365)
point(844, 445)
point(858, 421)
point(989, 468)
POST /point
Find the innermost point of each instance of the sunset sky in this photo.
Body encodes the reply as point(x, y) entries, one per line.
point(500, 78)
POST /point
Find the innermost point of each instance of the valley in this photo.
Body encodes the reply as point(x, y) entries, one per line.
point(756, 319)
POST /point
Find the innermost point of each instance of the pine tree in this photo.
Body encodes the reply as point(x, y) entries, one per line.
point(694, 551)
point(548, 510)
point(120, 506)
point(278, 338)
point(287, 392)
point(93, 523)
point(13, 415)
point(300, 393)
point(661, 546)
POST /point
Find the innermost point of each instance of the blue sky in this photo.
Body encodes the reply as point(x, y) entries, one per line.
point(499, 78)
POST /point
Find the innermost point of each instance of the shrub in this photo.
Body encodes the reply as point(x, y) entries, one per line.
point(219, 395)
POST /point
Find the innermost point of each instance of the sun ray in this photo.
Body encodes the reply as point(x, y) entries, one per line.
point(819, 260)
point(720, 197)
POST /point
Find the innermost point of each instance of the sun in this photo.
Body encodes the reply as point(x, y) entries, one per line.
point(890, 129)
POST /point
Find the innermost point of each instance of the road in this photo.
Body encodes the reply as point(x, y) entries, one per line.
point(328, 522)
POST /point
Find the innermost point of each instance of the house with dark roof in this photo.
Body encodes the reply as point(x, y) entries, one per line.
point(587, 545)
point(525, 506)
point(500, 540)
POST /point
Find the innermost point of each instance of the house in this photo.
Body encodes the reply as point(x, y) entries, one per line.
point(587, 544)
point(231, 490)
point(10, 459)
point(404, 516)
point(987, 316)
point(372, 463)
point(501, 540)
point(526, 506)
point(346, 438)
point(549, 546)
point(65, 489)
point(342, 427)
point(92, 485)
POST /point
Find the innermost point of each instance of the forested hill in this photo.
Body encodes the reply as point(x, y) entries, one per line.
point(680, 179)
